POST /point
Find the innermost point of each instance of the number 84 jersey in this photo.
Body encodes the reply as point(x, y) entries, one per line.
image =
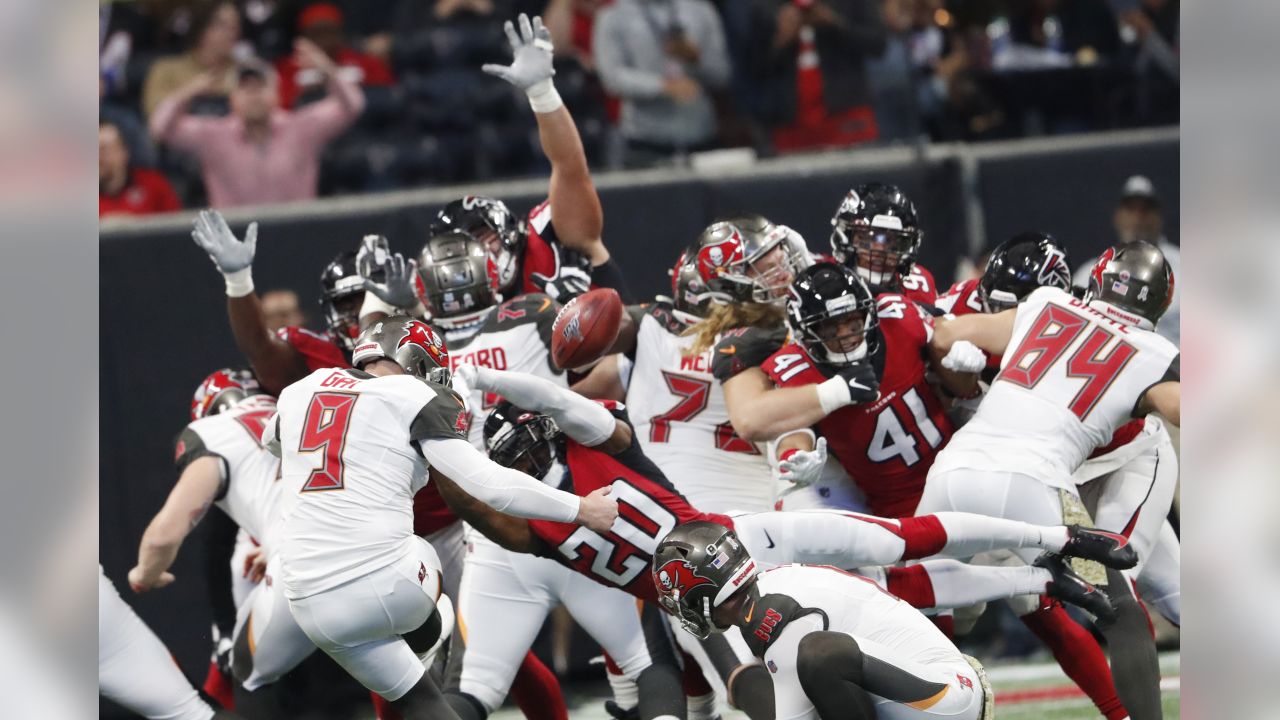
point(886, 446)
point(1070, 377)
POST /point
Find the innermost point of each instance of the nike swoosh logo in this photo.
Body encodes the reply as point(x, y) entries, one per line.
point(766, 537)
point(729, 350)
point(546, 302)
point(750, 612)
point(860, 386)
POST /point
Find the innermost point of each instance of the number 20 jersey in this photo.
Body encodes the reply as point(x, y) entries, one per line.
point(680, 417)
point(886, 446)
point(1070, 377)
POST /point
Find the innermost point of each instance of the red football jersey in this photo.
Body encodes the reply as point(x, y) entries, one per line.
point(649, 507)
point(919, 286)
point(963, 299)
point(886, 446)
point(539, 257)
point(318, 350)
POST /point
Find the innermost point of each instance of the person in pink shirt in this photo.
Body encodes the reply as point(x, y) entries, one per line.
point(260, 153)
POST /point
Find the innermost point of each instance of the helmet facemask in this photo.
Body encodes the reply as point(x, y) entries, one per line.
point(341, 309)
point(880, 254)
point(457, 279)
point(526, 443)
point(490, 222)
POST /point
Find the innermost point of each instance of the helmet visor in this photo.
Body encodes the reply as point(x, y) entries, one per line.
point(527, 447)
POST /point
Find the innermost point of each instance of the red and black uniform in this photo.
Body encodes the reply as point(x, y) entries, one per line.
point(317, 349)
point(649, 507)
point(919, 285)
point(886, 446)
point(540, 251)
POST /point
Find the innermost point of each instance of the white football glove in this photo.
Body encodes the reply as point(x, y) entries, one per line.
point(804, 468)
point(965, 357)
point(211, 233)
point(570, 278)
point(466, 375)
point(531, 70)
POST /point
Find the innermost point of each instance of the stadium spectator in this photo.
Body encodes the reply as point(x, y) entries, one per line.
point(322, 24)
point(1083, 29)
point(280, 309)
point(811, 68)
point(216, 33)
point(1137, 217)
point(123, 188)
point(665, 59)
point(260, 153)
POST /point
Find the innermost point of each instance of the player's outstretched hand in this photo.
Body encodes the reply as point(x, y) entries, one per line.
point(532, 49)
point(965, 357)
point(397, 286)
point(803, 467)
point(140, 583)
point(597, 511)
point(570, 278)
point(211, 233)
point(255, 565)
point(864, 386)
point(468, 375)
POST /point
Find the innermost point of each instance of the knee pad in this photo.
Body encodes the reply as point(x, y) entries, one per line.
point(824, 656)
point(427, 640)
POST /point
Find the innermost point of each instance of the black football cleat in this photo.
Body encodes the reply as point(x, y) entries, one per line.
point(618, 713)
point(1108, 548)
point(1070, 587)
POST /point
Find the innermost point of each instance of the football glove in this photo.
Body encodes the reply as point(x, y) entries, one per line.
point(571, 277)
point(211, 233)
point(531, 69)
point(388, 276)
point(804, 468)
point(863, 384)
point(965, 357)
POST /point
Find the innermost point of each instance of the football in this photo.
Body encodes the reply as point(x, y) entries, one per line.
point(585, 328)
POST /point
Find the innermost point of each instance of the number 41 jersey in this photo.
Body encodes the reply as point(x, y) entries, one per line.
point(1070, 377)
point(350, 469)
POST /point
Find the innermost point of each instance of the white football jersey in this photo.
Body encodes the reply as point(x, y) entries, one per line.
point(350, 470)
point(678, 410)
point(250, 494)
point(1070, 377)
point(515, 336)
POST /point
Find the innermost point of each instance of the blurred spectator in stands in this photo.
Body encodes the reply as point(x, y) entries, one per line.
point(1081, 31)
point(665, 59)
point(123, 188)
point(901, 79)
point(1151, 30)
point(260, 153)
point(811, 68)
point(1138, 217)
point(322, 24)
point(215, 33)
point(280, 309)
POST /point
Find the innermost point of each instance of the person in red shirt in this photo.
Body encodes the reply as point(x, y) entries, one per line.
point(322, 24)
point(126, 190)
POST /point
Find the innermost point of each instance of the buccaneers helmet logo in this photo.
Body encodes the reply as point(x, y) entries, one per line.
point(679, 575)
point(419, 334)
point(713, 260)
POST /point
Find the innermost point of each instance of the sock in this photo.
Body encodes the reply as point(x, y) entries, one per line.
point(967, 534)
point(382, 709)
point(702, 707)
point(625, 692)
point(537, 691)
point(695, 684)
point(218, 687)
point(1080, 656)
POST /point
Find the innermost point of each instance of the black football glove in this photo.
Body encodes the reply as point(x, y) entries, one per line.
point(571, 277)
point(864, 386)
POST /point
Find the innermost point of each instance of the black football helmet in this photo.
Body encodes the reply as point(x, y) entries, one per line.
point(489, 221)
point(523, 440)
point(876, 232)
point(1027, 261)
point(221, 390)
point(821, 301)
point(1132, 283)
point(696, 567)
point(457, 279)
point(409, 343)
point(342, 293)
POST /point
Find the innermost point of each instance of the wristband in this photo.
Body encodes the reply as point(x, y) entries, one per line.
point(372, 304)
point(786, 454)
point(834, 394)
point(543, 97)
point(239, 283)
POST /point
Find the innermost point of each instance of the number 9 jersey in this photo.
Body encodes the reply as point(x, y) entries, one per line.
point(1069, 379)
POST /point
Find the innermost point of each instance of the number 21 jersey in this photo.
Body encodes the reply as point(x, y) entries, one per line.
point(1070, 377)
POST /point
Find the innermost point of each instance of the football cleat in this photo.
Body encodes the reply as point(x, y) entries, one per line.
point(1108, 548)
point(617, 712)
point(1067, 586)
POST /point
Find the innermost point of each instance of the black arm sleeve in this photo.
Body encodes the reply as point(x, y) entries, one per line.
point(189, 448)
point(610, 275)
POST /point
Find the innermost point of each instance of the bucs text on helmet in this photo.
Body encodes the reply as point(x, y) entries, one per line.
point(749, 259)
point(696, 567)
point(876, 232)
point(523, 440)
point(1132, 283)
point(1018, 266)
point(342, 293)
point(457, 280)
point(221, 390)
point(832, 314)
point(489, 221)
point(409, 343)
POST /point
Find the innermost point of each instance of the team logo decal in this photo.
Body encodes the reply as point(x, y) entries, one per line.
point(1101, 266)
point(679, 576)
point(1055, 271)
point(421, 335)
point(851, 203)
point(714, 260)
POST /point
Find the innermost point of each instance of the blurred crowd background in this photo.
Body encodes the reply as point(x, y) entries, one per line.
point(231, 103)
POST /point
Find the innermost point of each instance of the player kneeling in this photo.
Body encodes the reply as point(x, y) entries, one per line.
point(836, 645)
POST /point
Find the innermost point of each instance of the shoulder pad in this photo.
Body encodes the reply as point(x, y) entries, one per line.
point(770, 614)
point(443, 417)
point(744, 348)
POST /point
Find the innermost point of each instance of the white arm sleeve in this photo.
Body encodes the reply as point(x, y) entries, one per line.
point(583, 419)
point(501, 488)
